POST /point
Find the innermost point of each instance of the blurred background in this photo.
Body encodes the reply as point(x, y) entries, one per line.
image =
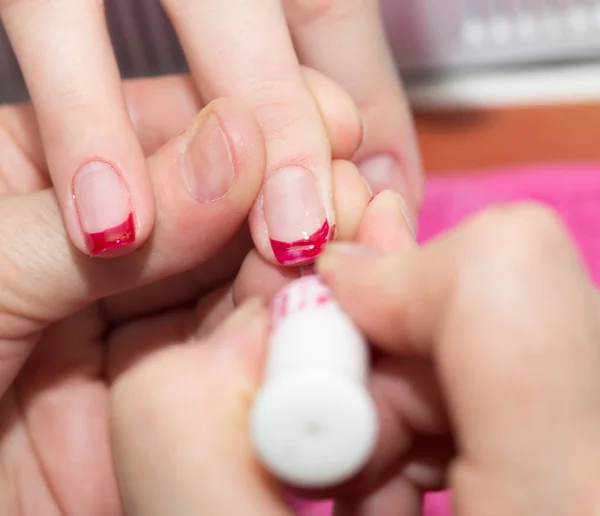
point(491, 82)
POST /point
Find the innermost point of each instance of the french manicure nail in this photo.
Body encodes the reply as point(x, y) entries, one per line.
point(103, 204)
point(296, 221)
point(207, 161)
point(382, 173)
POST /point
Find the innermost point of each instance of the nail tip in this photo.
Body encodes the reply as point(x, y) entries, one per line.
point(111, 238)
point(304, 250)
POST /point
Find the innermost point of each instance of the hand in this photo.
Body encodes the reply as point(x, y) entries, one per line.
point(486, 338)
point(488, 376)
point(235, 49)
point(59, 309)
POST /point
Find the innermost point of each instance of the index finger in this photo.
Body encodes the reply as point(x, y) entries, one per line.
point(94, 158)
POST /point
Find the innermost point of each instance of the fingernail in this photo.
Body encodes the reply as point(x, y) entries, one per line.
point(296, 221)
point(383, 173)
point(103, 204)
point(207, 161)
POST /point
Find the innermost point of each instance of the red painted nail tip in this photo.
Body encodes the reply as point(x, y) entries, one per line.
point(303, 250)
point(112, 238)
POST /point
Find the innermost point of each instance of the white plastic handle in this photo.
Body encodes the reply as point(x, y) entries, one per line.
point(314, 424)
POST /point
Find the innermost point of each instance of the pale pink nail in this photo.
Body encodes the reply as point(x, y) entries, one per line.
point(103, 205)
point(383, 173)
point(296, 221)
point(207, 162)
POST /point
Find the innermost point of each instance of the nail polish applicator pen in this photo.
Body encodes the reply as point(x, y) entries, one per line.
point(313, 423)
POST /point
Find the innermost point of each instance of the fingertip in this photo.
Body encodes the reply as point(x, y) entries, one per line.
point(387, 224)
point(351, 196)
point(252, 310)
point(341, 256)
point(342, 118)
point(242, 337)
point(259, 277)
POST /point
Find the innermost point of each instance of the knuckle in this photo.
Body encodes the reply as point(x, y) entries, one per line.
point(77, 111)
point(282, 108)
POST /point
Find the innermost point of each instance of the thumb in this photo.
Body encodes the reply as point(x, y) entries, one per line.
point(205, 182)
point(504, 309)
point(179, 418)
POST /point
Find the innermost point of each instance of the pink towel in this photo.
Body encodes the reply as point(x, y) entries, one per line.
point(574, 191)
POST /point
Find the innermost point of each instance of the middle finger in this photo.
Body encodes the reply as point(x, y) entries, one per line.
point(294, 217)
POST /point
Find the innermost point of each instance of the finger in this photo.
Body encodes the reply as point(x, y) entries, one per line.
point(171, 389)
point(160, 109)
point(63, 400)
point(488, 283)
point(22, 167)
point(182, 289)
point(206, 181)
point(345, 40)
point(294, 217)
point(342, 119)
point(386, 224)
point(446, 257)
point(350, 197)
point(404, 389)
point(261, 278)
point(92, 152)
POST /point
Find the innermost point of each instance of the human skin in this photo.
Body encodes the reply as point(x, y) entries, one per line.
point(251, 51)
point(485, 375)
point(59, 309)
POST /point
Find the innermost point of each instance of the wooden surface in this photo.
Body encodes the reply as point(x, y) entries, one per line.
point(479, 139)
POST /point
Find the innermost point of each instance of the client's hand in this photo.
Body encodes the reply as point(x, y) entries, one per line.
point(486, 375)
point(61, 312)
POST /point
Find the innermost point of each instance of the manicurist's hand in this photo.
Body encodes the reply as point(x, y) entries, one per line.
point(485, 375)
point(250, 51)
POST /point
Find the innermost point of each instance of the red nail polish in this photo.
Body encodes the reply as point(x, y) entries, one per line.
point(304, 250)
point(111, 238)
